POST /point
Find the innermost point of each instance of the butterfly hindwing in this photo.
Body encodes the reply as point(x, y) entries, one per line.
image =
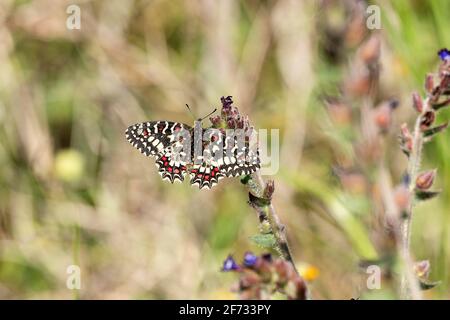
point(205, 176)
point(169, 169)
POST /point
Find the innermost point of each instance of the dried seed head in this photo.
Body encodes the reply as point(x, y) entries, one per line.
point(425, 180)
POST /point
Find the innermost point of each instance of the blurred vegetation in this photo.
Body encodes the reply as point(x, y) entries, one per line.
point(72, 191)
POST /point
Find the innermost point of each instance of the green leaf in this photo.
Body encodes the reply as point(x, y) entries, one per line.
point(264, 240)
point(425, 285)
point(440, 105)
point(426, 195)
point(432, 131)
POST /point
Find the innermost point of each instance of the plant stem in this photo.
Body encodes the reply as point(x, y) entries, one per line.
point(409, 285)
point(277, 228)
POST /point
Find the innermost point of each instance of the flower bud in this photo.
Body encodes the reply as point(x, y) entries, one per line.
point(263, 268)
point(230, 124)
point(296, 289)
point(422, 269)
point(425, 180)
point(249, 279)
point(283, 270)
point(358, 86)
point(417, 102)
point(216, 121)
point(250, 259)
point(429, 83)
point(383, 116)
point(269, 189)
point(406, 139)
point(427, 120)
point(370, 50)
point(402, 197)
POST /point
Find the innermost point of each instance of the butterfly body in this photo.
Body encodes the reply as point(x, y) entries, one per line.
point(181, 150)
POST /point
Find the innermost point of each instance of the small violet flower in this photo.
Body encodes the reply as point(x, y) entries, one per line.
point(229, 264)
point(444, 54)
point(250, 259)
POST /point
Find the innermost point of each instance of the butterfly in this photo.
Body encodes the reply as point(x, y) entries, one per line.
point(172, 143)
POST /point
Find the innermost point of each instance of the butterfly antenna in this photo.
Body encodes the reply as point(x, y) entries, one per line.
point(190, 111)
point(208, 114)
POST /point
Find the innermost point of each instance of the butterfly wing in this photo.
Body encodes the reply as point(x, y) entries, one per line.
point(235, 163)
point(158, 139)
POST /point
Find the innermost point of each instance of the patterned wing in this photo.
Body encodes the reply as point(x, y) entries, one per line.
point(205, 176)
point(159, 139)
point(236, 162)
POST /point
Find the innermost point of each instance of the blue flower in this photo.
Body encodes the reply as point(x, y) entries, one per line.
point(444, 54)
point(250, 259)
point(229, 264)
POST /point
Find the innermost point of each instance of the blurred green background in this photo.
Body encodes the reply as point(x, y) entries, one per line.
point(73, 191)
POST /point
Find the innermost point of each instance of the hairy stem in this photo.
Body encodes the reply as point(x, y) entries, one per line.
point(409, 285)
point(268, 213)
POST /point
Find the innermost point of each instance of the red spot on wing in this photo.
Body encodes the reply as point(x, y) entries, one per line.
point(169, 169)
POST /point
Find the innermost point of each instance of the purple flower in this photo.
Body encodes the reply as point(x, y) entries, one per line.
point(444, 54)
point(229, 264)
point(227, 102)
point(250, 259)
